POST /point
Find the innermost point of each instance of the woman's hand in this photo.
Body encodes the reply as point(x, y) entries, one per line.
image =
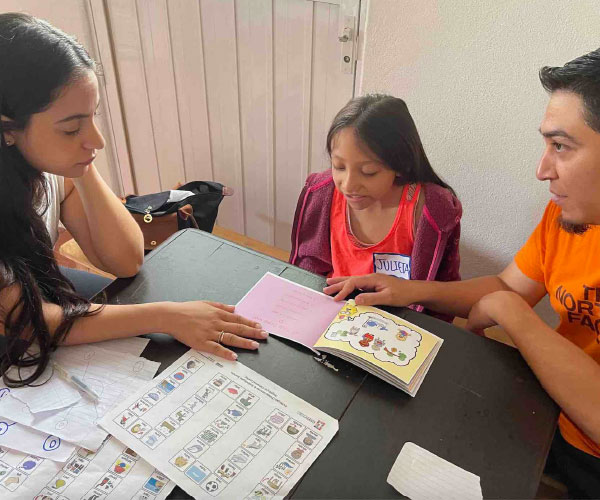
point(379, 289)
point(199, 325)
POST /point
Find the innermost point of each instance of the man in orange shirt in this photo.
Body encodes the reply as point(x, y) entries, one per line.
point(561, 258)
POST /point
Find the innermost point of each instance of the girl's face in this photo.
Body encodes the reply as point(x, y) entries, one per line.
point(63, 138)
point(358, 174)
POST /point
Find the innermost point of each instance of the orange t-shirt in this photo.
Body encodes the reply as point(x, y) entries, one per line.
point(392, 255)
point(569, 267)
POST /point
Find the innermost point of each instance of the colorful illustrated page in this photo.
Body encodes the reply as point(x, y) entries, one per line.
point(289, 310)
point(114, 472)
point(219, 429)
point(386, 341)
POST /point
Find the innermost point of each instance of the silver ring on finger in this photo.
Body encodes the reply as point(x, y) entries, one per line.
point(221, 335)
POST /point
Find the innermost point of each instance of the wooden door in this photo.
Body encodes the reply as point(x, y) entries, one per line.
point(239, 91)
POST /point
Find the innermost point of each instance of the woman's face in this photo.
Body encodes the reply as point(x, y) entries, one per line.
point(63, 139)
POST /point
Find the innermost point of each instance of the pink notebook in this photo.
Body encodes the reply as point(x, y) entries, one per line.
point(289, 310)
point(389, 347)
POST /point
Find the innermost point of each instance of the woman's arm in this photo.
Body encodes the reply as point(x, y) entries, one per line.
point(196, 324)
point(101, 225)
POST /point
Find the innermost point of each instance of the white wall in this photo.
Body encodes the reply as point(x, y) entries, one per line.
point(468, 72)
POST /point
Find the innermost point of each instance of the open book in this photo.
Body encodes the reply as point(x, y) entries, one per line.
point(382, 344)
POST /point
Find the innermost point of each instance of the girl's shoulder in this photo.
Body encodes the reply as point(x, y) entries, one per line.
point(442, 206)
point(319, 180)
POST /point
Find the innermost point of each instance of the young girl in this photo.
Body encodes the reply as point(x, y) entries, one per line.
point(48, 142)
point(381, 208)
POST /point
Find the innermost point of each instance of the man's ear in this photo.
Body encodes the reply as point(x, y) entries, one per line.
point(9, 136)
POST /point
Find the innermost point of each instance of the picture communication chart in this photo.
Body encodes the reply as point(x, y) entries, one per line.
point(113, 472)
point(219, 429)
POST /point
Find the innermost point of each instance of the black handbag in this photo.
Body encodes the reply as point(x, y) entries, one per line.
point(159, 218)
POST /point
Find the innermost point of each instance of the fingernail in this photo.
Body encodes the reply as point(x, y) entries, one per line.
point(264, 335)
point(257, 325)
point(255, 344)
point(234, 356)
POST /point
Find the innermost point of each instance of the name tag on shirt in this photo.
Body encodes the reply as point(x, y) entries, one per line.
point(394, 264)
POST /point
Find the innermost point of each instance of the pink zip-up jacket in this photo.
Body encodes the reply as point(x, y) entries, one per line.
point(435, 254)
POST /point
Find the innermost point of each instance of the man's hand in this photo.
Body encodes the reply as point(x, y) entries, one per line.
point(492, 308)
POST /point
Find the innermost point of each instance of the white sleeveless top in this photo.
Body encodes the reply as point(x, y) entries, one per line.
point(56, 195)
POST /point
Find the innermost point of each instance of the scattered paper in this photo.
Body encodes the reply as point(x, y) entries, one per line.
point(219, 429)
point(112, 375)
point(129, 345)
point(422, 475)
point(49, 394)
point(113, 472)
point(24, 439)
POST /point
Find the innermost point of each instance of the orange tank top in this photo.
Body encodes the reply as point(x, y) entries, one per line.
point(392, 255)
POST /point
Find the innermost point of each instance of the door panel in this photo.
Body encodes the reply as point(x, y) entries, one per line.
point(239, 91)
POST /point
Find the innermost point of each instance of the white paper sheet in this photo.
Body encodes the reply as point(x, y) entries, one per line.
point(130, 345)
point(422, 475)
point(112, 375)
point(24, 439)
point(112, 473)
point(266, 438)
point(49, 394)
point(57, 393)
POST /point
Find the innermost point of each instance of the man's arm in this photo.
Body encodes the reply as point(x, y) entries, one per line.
point(569, 375)
point(453, 297)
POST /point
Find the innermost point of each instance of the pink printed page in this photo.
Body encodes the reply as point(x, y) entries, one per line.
point(289, 310)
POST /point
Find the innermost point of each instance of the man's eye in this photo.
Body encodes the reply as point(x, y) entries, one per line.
point(72, 132)
point(558, 146)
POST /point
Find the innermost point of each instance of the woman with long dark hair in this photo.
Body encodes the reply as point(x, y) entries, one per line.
point(48, 142)
point(381, 208)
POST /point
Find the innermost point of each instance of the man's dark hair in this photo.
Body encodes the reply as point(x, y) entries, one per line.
point(582, 77)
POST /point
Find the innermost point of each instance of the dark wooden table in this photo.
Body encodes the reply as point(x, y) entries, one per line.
point(480, 406)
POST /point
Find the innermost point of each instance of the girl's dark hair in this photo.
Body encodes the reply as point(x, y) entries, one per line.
point(582, 77)
point(37, 61)
point(383, 123)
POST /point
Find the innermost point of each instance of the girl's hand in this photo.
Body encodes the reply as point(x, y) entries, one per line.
point(382, 289)
point(199, 325)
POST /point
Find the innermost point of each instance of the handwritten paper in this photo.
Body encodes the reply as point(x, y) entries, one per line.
point(129, 345)
point(219, 429)
point(113, 472)
point(422, 475)
point(49, 394)
point(112, 375)
point(297, 313)
point(24, 439)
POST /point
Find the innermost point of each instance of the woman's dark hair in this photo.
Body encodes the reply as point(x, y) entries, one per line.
point(582, 77)
point(383, 123)
point(37, 61)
